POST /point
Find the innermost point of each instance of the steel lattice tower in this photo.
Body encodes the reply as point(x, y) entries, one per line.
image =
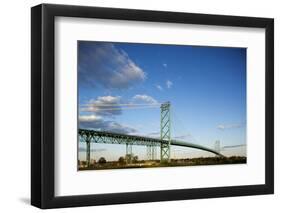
point(217, 146)
point(151, 152)
point(129, 152)
point(165, 131)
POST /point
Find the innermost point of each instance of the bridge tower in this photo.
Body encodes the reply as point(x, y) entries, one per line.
point(217, 146)
point(129, 152)
point(165, 131)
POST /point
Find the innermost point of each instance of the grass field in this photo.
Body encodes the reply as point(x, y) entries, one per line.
point(156, 163)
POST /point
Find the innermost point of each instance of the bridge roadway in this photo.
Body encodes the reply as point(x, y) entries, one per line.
point(117, 138)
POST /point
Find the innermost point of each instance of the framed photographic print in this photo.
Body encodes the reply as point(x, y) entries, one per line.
point(139, 106)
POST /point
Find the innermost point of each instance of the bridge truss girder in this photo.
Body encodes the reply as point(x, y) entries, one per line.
point(92, 136)
point(115, 138)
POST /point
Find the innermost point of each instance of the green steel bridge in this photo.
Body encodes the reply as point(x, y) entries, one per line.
point(164, 142)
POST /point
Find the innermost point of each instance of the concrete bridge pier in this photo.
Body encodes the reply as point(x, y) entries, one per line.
point(129, 152)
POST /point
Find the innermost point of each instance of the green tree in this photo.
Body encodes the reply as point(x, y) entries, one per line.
point(102, 160)
point(84, 163)
point(135, 159)
point(121, 160)
point(129, 158)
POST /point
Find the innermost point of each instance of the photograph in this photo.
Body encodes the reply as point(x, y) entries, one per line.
point(139, 105)
point(145, 105)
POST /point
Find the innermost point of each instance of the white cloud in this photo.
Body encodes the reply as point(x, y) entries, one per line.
point(159, 87)
point(102, 100)
point(145, 99)
point(104, 105)
point(165, 65)
point(102, 64)
point(169, 84)
point(99, 124)
point(89, 118)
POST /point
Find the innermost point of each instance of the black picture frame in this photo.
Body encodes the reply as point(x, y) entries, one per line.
point(43, 102)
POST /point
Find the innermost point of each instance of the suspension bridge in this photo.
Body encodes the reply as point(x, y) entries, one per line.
point(164, 142)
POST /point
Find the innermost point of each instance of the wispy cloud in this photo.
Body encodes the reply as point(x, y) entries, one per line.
point(154, 134)
point(103, 105)
point(165, 65)
point(92, 122)
point(160, 88)
point(89, 118)
point(229, 126)
point(104, 108)
point(144, 99)
point(234, 146)
point(169, 84)
point(186, 136)
point(102, 64)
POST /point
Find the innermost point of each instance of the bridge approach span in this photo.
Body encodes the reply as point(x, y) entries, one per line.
point(93, 136)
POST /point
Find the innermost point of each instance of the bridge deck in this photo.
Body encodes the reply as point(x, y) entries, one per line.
point(117, 138)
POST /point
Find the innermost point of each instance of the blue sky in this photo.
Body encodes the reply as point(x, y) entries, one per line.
point(205, 85)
